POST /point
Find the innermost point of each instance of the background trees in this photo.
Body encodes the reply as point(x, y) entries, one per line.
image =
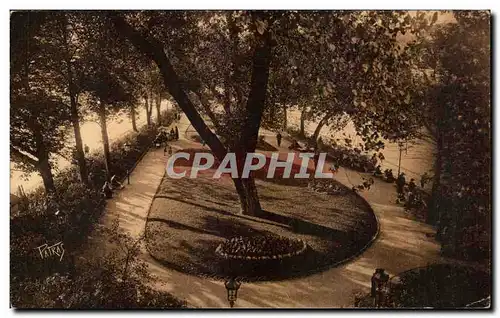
point(39, 115)
point(241, 70)
point(455, 59)
point(355, 67)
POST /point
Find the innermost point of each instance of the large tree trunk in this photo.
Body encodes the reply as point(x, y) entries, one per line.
point(248, 196)
point(105, 140)
point(43, 164)
point(249, 199)
point(46, 172)
point(255, 103)
point(132, 117)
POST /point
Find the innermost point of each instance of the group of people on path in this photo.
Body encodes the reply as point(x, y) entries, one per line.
point(162, 137)
point(407, 193)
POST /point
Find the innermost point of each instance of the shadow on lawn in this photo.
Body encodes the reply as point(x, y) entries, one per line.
point(182, 165)
point(197, 256)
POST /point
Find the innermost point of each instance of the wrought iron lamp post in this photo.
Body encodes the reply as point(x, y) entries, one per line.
point(379, 282)
point(126, 148)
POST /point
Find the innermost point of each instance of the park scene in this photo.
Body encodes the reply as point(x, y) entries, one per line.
point(250, 159)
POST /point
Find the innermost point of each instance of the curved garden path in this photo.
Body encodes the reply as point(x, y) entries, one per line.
point(403, 243)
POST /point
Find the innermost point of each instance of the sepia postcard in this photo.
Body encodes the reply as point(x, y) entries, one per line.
point(179, 159)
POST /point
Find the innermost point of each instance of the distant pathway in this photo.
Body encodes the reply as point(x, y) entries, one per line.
point(403, 243)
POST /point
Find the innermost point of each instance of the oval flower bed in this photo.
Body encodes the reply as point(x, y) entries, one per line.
point(261, 248)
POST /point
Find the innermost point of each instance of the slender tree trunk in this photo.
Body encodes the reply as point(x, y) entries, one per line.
point(132, 117)
point(321, 123)
point(434, 204)
point(206, 107)
point(75, 118)
point(148, 114)
point(285, 118)
point(148, 104)
point(105, 140)
point(80, 154)
point(302, 122)
point(158, 105)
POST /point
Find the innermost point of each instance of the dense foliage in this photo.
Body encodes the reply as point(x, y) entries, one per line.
point(455, 59)
point(67, 216)
point(440, 286)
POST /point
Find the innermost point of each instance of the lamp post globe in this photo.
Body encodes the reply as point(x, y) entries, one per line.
point(232, 286)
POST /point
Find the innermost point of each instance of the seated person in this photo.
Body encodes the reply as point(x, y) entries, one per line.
point(412, 186)
point(295, 145)
point(334, 168)
point(106, 190)
point(378, 171)
point(115, 183)
point(368, 183)
point(389, 177)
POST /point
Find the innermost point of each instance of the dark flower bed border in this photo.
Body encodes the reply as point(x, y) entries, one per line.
point(220, 249)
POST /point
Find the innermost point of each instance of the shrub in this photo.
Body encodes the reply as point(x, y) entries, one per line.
point(352, 158)
point(113, 281)
point(67, 216)
point(440, 286)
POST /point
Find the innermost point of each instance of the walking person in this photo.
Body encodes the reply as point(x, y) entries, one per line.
point(278, 139)
point(423, 180)
point(411, 193)
point(176, 133)
point(165, 149)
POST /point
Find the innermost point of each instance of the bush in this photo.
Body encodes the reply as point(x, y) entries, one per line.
point(67, 216)
point(352, 158)
point(113, 281)
point(440, 286)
